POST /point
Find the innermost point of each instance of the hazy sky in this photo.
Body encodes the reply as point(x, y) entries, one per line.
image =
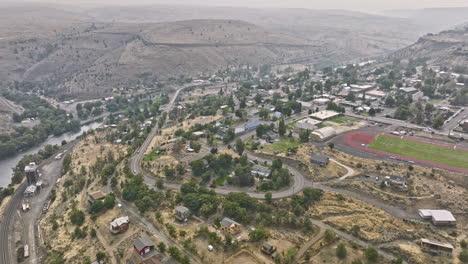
point(365, 5)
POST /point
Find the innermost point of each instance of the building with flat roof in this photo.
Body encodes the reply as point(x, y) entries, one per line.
point(307, 124)
point(30, 171)
point(324, 115)
point(323, 134)
point(376, 93)
point(437, 217)
point(409, 90)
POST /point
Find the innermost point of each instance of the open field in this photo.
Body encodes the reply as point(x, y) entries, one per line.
point(422, 151)
point(342, 120)
point(283, 145)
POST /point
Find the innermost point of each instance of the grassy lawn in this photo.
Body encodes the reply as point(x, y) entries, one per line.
point(220, 181)
point(422, 151)
point(152, 155)
point(342, 120)
point(283, 145)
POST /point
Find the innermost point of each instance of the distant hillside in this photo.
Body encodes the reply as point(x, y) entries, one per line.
point(433, 20)
point(88, 52)
point(448, 48)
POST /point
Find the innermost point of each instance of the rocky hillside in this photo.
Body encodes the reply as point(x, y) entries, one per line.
point(448, 48)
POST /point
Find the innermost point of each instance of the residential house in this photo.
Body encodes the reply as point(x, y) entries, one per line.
point(182, 213)
point(319, 159)
point(408, 90)
point(119, 225)
point(252, 125)
point(260, 171)
point(230, 226)
point(143, 246)
point(396, 182)
point(96, 196)
point(31, 173)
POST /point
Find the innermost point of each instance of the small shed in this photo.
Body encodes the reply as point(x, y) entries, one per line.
point(268, 249)
point(182, 213)
point(143, 246)
point(319, 159)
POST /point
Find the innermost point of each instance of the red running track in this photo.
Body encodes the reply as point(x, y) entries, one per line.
point(354, 139)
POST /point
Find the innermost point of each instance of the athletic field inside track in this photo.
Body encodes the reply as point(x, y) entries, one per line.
point(422, 151)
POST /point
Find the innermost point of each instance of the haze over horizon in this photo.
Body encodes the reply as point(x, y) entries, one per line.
point(356, 5)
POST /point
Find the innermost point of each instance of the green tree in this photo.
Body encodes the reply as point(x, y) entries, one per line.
point(277, 164)
point(329, 236)
point(77, 217)
point(258, 234)
point(331, 145)
point(268, 197)
point(371, 254)
point(304, 136)
point(398, 260)
point(162, 247)
point(281, 128)
point(356, 261)
point(240, 146)
point(341, 251)
point(355, 229)
point(463, 256)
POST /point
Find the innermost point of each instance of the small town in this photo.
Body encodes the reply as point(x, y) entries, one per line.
point(289, 163)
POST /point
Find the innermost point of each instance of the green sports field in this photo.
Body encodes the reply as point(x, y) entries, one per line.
point(421, 151)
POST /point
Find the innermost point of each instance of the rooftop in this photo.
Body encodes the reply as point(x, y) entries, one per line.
point(436, 243)
point(324, 115)
point(227, 222)
point(97, 195)
point(437, 215)
point(142, 242)
point(319, 157)
point(31, 167)
point(120, 221)
point(182, 209)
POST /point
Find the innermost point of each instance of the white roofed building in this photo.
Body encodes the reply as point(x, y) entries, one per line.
point(437, 217)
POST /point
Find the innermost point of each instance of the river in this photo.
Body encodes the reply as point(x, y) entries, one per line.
point(7, 165)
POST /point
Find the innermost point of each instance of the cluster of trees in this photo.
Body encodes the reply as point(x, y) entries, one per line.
point(280, 177)
point(240, 206)
point(54, 121)
point(334, 107)
point(136, 191)
point(213, 165)
point(102, 206)
point(199, 199)
point(89, 108)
